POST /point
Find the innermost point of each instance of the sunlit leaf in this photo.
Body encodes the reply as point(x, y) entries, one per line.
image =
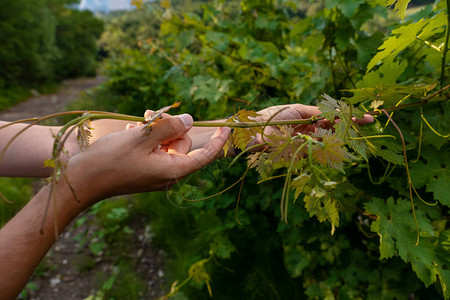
point(400, 6)
point(241, 137)
point(330, 151)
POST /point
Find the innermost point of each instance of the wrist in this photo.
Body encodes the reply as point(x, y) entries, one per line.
point(82, 178)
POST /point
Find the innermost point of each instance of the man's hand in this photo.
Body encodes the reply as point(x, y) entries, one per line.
point(297, 112)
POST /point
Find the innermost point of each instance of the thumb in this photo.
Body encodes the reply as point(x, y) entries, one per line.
point(171, 128)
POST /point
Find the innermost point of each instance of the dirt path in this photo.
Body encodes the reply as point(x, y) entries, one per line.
point(70, 271)
point(46, 104)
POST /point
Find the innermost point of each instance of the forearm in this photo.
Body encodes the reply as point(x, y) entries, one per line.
point(22, 245)
point(25, 156)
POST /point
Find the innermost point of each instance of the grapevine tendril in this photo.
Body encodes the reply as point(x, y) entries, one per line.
point(432, 129)
point(408, 175)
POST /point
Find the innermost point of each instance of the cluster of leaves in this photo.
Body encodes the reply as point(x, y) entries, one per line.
point(315, 170)
point(360, 180)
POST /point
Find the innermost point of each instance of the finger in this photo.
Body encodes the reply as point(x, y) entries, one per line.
point(203, 156)
point(307, 111)
point(180, 146)
point(171, 128)
point(319, 124)
point(366, 120)
point(148, 113)
point(129, 126)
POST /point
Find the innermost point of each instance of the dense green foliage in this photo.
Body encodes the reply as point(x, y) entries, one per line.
point(256, 53)
point(45, 41)
point(16, 190)
point(28, 41)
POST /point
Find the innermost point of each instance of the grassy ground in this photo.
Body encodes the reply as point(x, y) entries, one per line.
point(14, 95)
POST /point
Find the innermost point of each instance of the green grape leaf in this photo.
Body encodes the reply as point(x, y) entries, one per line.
point(396, 229)
point(228, 146)
point(284, 147)
point(347, 7)
point(313, 43)
point(198, 273)
point(433, 172)
point(390, 156)
point(367, 46)
point(359, 146)
point(440, 187)
point(385, 76)
point(296, 259)
point(330, 151)
point(218, 39)
point(443, 261)
point(299, 183)
point(319, 203)
point(263, 165)
point(332, 109)
point(241, 137)
point(403, 36)
point(400, 6)
point(380, 85)
point(328, 106)
point(209, 88)
point(435, 25)
point(299, 28)
point(222, 247)
point(169, 26)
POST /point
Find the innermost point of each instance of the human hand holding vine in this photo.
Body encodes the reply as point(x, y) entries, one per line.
point(130, 161)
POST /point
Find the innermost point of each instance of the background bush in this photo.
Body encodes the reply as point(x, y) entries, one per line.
point(44, 41)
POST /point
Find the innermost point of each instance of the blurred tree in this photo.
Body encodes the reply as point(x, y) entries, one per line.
point(76, 38)
point(27, 39)
point(45, 40)
point(125, 29)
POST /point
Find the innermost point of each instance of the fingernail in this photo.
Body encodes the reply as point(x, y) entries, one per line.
point(225, 130)
point(186, 119)
point(222, 131)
